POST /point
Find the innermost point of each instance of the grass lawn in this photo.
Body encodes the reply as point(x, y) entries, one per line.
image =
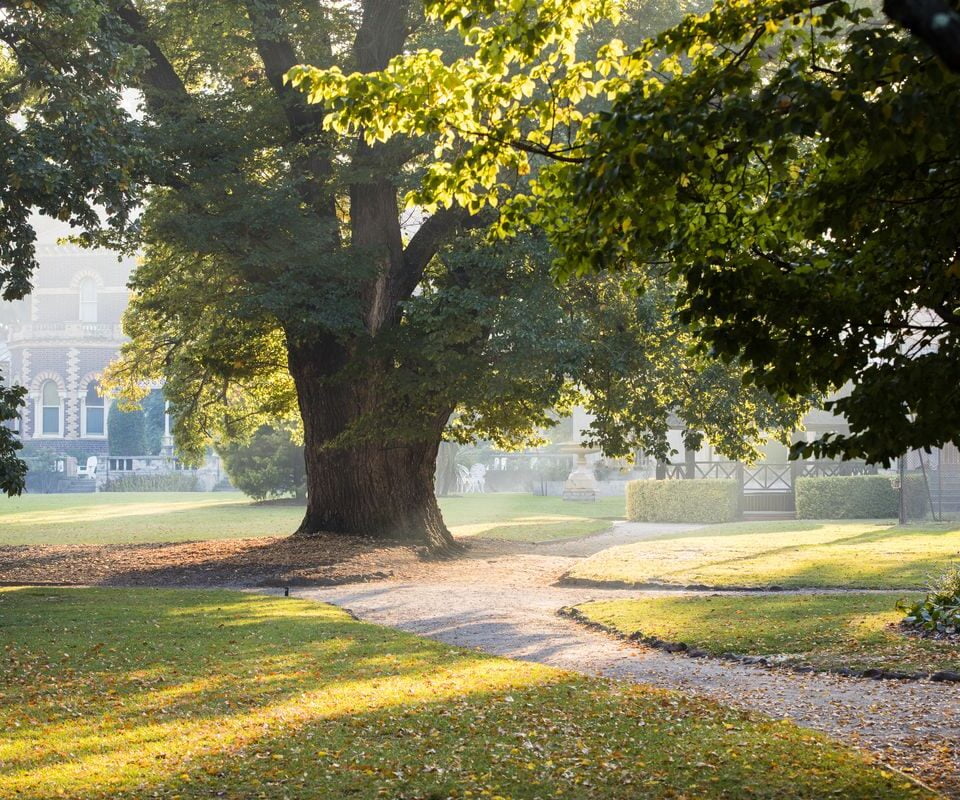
point(134, 517)
point(161, 693)
point(122, 517)
point(821, 631)
point(526, 518)
point(858, 554)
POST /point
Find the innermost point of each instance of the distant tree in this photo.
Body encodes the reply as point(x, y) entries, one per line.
point(13, 470)
point(42, 470)
point(270, 464)
point(126, 431)
point(65, 151)
point(446, 482)
point(154, 411)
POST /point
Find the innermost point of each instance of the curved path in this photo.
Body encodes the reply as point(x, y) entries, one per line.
point(502, 600)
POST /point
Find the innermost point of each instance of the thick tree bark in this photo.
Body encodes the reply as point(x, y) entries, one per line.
point(382, 489)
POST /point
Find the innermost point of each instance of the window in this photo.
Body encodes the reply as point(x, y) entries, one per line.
point(49, 409)
point(93, 408)
point(88, 300)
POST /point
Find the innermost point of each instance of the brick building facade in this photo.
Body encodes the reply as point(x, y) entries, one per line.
point(60, 338)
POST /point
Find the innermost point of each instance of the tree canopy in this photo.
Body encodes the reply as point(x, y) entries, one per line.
point(280, 274)
point(788, 164)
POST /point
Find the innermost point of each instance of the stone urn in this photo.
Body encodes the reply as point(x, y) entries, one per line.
point(581, 484)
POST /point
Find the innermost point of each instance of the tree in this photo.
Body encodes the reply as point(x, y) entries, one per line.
point(280, 273)
point(13, 471)
point(789, 165)
point(65, 150)
point(126, 431)
point(811, 218)
point(154, 412)
point(269, 465)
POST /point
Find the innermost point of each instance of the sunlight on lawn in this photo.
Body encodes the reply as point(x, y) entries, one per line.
point(102, 512)
point(533, 529)
point(824, 631)
point(160, 693)
point(106, 725)
point(118, 518)
point(137, 517)
point(857, 554)
point(528, 518)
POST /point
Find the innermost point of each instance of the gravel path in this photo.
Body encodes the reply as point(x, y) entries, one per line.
point(505, 603)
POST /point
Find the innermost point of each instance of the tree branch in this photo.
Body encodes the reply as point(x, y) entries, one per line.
point(428, 240)
point(162, 87)
point(382, 32)
point(279, 56)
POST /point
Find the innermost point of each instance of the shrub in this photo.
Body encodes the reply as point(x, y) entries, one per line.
point(269, 465)
point(171, 482)
point(126, 432)
point(154, 413)
point(682, 500)
point(939, 611)
point(42, 476)
point(859, 497)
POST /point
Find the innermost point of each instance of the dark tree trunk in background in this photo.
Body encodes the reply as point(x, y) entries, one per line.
point(937, 22)
point(446, 479)
point(378, 488)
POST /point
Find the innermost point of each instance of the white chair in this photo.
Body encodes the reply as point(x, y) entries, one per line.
point(90, 470)
point(476, 481)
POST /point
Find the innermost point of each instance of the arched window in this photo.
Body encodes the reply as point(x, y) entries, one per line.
point(49, 409)
point(93, 411)
point(88, 300)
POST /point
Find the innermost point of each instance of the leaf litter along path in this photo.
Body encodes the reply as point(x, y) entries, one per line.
point(505, 602)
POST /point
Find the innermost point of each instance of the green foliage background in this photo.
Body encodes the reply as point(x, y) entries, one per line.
point(126, 431)
point(270, 464)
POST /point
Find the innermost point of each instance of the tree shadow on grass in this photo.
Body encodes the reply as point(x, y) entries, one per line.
point(891, 557)
point(163, 658)
point(324, 706)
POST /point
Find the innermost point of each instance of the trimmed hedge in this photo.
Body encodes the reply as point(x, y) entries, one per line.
point(712, 500)
point(176, 482)
point(859, 497)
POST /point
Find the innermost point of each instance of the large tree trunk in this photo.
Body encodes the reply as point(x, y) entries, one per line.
point(382, 488)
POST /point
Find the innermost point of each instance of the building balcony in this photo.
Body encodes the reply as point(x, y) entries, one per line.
point(34, 331)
